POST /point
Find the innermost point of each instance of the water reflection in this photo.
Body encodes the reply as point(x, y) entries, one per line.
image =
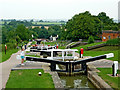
point(80, 81)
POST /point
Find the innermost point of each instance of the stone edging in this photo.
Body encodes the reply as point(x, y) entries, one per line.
point(95, 79)
point(56, 79)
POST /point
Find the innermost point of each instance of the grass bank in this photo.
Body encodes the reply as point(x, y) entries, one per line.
point(112, 81)
point(53, 44)
point(29, 79)
point(33, 55)
point(97, 53)
point(88, 45)
point(8, 54)
point(11, 48)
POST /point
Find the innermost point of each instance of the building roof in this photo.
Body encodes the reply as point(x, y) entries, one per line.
point(110, 31)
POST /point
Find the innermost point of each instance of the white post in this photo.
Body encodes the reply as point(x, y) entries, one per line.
point(52, 54)
point(73, 54)
point(115, 68)
point(63, 55)
point(41, 47)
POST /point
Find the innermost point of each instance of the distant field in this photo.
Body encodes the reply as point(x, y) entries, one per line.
point(48, 23)
point(2, 22)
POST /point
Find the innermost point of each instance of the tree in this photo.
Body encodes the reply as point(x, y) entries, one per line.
point(82, 26)
point(42, 27)
point(119, 26)
point(54, 30)
point(90, 39)
point(23, 32)
point(41, 21)
point(105, 19)
point(108, 23)
point(31, 20)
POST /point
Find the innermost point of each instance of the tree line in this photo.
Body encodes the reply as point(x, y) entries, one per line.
point(16, 32)
point(80, 26)
point(84, 25)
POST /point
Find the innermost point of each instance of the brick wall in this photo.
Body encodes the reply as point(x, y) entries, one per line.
point(106, 36)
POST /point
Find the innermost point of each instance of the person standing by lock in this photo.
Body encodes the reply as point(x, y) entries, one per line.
point(5, 48)
point(22, 54)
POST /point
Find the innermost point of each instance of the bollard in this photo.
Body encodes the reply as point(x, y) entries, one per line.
point(81, 52)
point(57, 46)
point(115, 68)
point(39, 73)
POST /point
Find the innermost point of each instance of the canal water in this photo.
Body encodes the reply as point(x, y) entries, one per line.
point(79, 81)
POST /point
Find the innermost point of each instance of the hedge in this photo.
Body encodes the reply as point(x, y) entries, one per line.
point(113, 41)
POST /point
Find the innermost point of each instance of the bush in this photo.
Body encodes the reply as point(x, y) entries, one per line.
point(113, 42)
point(90, 39)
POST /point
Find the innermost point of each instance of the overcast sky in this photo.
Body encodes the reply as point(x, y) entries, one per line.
point(55, 9)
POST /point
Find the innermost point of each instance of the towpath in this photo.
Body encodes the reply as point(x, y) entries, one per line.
point(5, 68)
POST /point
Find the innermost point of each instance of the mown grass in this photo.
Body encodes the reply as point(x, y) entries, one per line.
point(0, 57)
point(10, 50)
point(50, 43)
point(88, 45)
point(8, 54)
point(53, 44)
point(97, 53)
point(29, 79)
point(33, 55)
point(33, 42)
point(112, 81)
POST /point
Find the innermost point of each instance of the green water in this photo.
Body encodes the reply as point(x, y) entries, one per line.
point(79, 81)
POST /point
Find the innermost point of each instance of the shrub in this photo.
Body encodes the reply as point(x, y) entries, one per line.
point(113, 41)
point(90, 39)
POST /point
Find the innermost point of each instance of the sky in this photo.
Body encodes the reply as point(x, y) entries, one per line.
point(55, 9)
